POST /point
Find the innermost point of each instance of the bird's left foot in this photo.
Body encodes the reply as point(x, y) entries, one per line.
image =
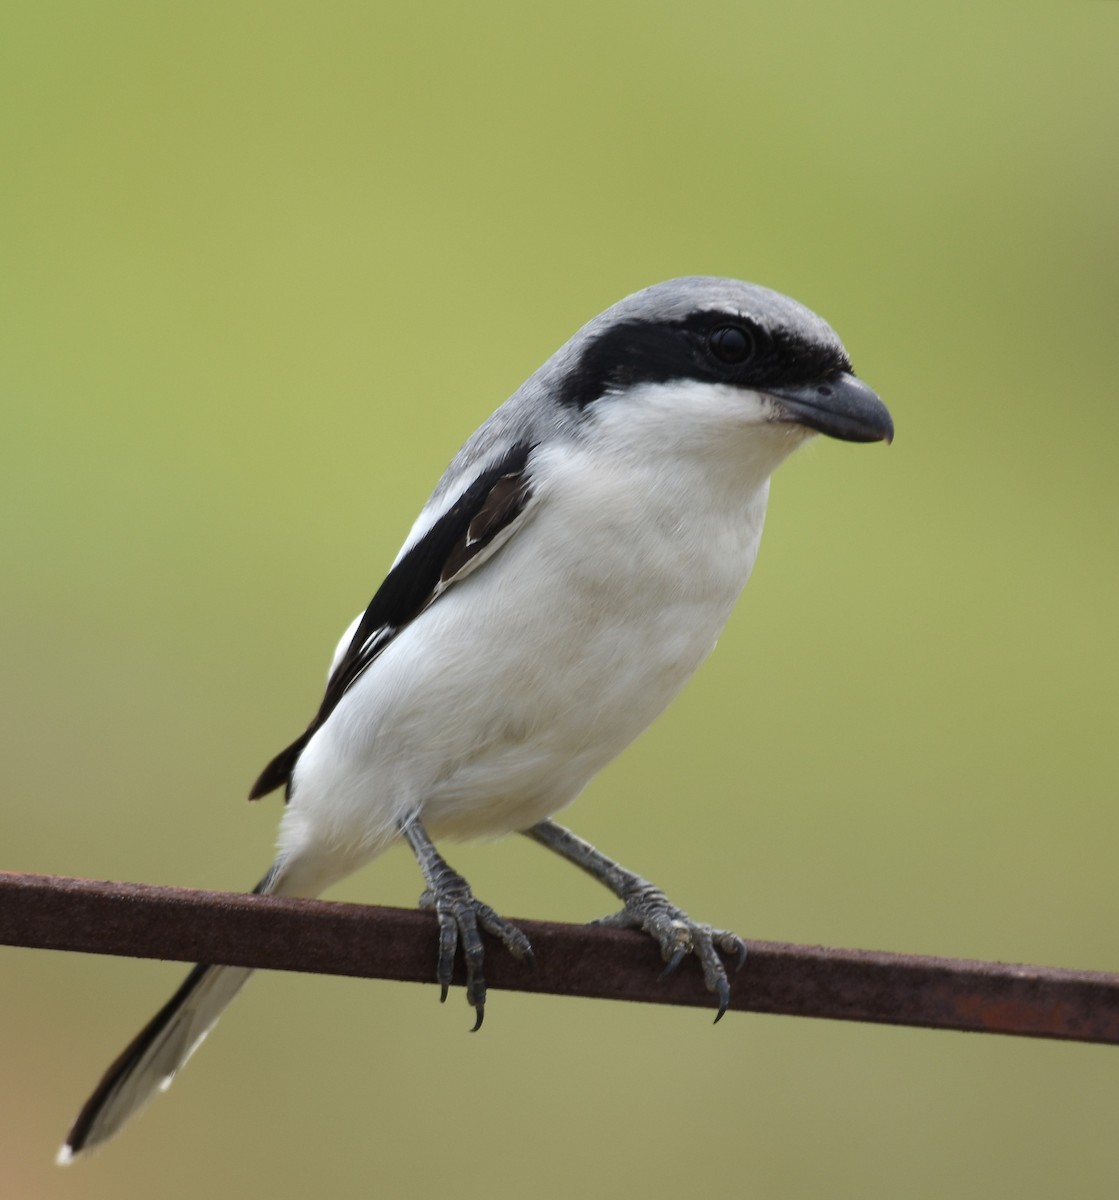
point(678, 936)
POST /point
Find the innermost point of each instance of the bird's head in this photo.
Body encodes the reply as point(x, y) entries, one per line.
point(702, 357)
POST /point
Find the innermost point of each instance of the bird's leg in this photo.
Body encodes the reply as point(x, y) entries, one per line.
point(646, 907)
point(460, 916)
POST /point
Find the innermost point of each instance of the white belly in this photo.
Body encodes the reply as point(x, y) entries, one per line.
point(488, 714)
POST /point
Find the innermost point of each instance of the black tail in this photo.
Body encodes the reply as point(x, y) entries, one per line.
point(149, 1062)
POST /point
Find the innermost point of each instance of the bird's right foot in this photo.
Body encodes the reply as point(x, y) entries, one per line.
point(461, 916)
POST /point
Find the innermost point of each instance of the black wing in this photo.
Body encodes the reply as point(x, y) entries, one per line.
point(448, 551)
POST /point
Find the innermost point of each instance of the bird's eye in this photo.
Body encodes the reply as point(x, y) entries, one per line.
point(730, 344)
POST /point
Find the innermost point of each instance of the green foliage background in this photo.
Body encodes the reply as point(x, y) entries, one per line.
point(264, 266)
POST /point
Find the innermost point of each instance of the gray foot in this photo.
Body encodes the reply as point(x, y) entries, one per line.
point(678, 936)
point(460, 917)
point(647, 908)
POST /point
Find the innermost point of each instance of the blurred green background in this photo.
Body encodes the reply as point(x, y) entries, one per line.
point(264, 266)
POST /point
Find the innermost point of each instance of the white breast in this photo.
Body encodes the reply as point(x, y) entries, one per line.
point(500, 702)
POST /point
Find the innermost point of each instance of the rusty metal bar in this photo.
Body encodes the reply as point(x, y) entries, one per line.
point(141, 921)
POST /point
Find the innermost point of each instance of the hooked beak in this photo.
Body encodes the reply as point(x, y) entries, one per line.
point(841, 406)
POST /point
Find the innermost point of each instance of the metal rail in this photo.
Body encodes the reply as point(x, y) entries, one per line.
point(140, 921)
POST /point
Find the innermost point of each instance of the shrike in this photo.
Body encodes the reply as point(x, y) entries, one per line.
point(573, 567)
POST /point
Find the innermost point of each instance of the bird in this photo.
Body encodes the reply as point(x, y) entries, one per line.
point(572, 568)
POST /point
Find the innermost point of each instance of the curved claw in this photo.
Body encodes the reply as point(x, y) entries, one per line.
point(723, 992)
point(676, 959)
point(731, 943)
